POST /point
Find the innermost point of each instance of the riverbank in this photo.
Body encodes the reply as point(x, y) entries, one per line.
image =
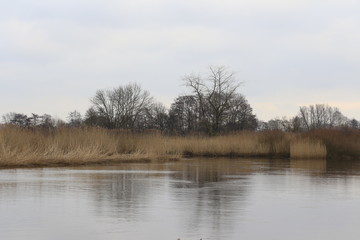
point(21, 147)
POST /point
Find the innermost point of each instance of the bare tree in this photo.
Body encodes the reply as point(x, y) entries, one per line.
point(18, 119)
point(93, 118)
point(213, 93)
point(154, 117)
point(35, 120)
point(184, 114)
point(239, 116)
point(103, 106)
point(74, 119)
point(321, 116)
point(122, 106)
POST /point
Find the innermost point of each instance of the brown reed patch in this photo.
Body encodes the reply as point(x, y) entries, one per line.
point(73, 146)
point(340, 143)
point(21, 147)
point(305, 148)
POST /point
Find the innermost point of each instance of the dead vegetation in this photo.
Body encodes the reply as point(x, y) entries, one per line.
point(74, 146)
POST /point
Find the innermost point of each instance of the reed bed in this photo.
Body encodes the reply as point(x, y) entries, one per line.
point(343, 143)
point(307, 149)
point(74, 146)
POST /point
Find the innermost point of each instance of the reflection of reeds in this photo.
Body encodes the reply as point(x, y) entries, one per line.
point(309, 164)
point(25, 147)
point(307, 148)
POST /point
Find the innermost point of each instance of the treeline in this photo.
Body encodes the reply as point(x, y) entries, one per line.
point(213, 107)
point(319, 116)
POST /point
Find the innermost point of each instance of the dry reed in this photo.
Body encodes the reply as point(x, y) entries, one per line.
point(307, 149)
point(22, 147)
point(30, 147)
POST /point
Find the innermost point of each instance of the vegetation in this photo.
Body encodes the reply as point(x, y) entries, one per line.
point(214, 119)
point(69, 146)
point(307, 148)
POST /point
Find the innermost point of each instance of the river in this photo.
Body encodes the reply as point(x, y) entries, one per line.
point(189, 200)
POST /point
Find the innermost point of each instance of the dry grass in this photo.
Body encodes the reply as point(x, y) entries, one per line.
point(22, 147)
point(240, 144)
point(307, 148)
point(340, 143)
point(29, 147)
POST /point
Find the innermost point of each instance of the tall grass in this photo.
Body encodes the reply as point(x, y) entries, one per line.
point(340, 143)
point(29, 147)
point(307, 148)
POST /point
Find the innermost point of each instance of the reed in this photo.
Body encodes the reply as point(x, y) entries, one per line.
point(307, 148)
point(74, 146)
point(340, 143)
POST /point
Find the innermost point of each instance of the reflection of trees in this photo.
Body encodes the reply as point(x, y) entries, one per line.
point(121, 195)
point(211, 192)
point(343, 167)
point(326, 168)
point(201, 172)
point(200, 194)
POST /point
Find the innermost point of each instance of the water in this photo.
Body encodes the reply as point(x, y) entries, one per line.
point(190, 199)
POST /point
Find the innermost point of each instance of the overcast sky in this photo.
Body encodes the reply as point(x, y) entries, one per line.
point(55, 54)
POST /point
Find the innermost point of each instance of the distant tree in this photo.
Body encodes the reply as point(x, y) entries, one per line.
point(239, 115)
point(262, 125)
point(215, 105)
point(35, 120)
point(59, 123)
point(320, 116)
point(276, 124)
point(213, 94)
point(92, 118)
point(120, 107)
point(47, 121)
point(295, 124)
point(158, 116)
point(74, 119)
point(184, 114)
point(285, 124)
point(354, 123)
point(154, 117)
point(17, 119)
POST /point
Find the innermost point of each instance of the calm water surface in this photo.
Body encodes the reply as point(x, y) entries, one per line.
point(191, 199)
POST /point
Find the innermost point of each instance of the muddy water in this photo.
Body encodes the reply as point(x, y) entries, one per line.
point(190, 199)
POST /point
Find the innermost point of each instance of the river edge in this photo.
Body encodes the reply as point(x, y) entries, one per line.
point(129, 159)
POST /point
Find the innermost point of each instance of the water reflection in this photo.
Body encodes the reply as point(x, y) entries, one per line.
point(191, 199)
point(310, 165)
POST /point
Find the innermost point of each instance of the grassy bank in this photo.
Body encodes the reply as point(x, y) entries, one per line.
point(74, 146)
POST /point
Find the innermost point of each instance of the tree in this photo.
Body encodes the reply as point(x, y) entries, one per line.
point(215, 105)
point(154, 117)
point(213, 94)
point(321, 116)
point(184, 114)
point(92, 118)
point(239, 116)
point(354, 123)
point(35, 120)
point(74, 119)
point(18, 119)
point(158, 116)
point(120, 107)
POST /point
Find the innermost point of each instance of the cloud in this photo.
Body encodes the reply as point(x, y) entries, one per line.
point(285, 51)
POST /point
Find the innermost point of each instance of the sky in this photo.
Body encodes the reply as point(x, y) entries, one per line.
point(55, 54)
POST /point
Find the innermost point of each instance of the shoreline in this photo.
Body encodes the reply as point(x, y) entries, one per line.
point(134, 160)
